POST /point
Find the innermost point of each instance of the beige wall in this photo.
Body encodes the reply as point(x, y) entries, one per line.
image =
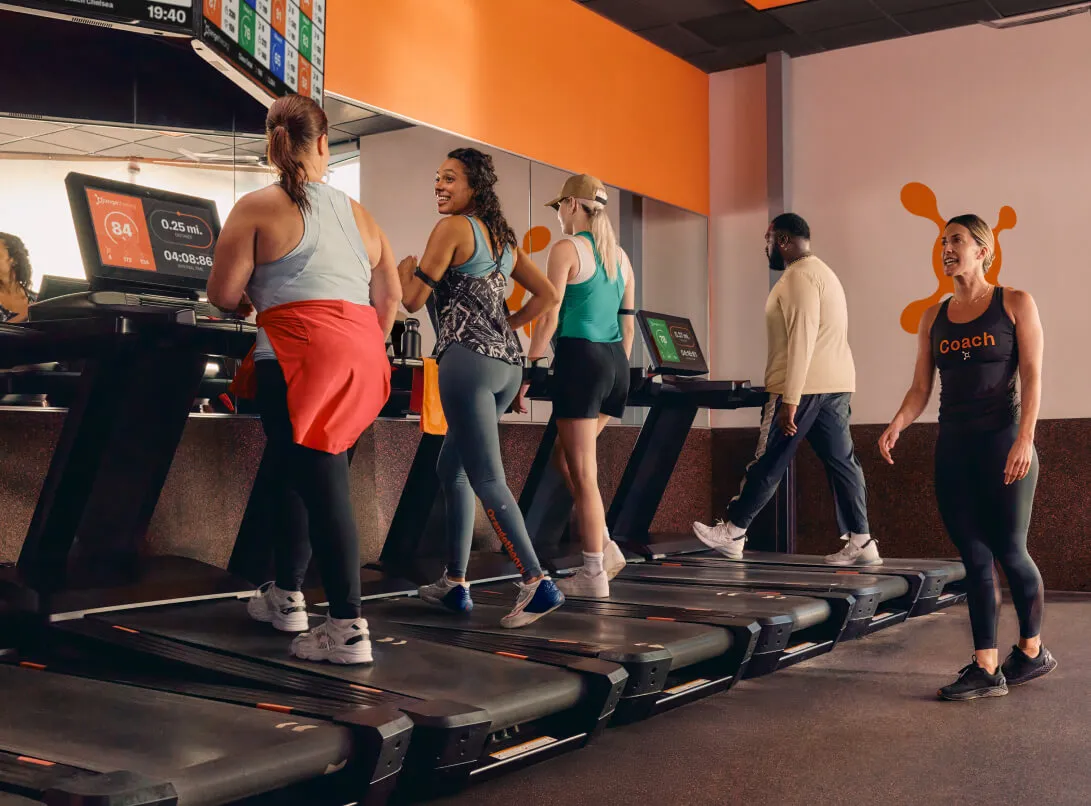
point(985, 119)
point(738, 274)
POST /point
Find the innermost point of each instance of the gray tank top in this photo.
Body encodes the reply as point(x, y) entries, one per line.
point(330, 262)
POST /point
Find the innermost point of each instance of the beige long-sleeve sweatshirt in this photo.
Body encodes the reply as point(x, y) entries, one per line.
point(807, 324)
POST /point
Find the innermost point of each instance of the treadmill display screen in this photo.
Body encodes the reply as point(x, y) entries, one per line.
point(673, 343)
point(151, 235)
point(139, 235)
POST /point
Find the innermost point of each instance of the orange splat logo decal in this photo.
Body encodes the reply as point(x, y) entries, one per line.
point(536, 240)
point(920, 200)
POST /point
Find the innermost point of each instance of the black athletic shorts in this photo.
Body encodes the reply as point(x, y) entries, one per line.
point(589, 378)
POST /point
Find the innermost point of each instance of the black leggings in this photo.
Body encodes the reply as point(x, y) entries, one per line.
point(988, 521)
point(309, 495)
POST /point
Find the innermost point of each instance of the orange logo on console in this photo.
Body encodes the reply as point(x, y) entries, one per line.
point(920, 200)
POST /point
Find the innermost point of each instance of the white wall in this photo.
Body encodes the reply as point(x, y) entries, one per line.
point(397, 172)
point(738, 269)
point(986, 119)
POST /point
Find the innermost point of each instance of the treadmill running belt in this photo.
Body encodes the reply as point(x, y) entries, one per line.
point(805, 612)
point(511, 691)
point(687, 643)
point(779, 580)
point(211, 752)
point(952, 570)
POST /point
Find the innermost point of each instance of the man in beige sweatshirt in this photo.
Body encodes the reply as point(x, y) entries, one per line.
point(810, 378)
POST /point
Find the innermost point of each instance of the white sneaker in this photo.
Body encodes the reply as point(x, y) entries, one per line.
point(721, 538)
point(613, 561)
point(858, 550)
point(336, 641)
point(585, 585)
point(285, 610)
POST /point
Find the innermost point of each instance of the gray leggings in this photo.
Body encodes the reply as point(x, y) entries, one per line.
point(475, 391)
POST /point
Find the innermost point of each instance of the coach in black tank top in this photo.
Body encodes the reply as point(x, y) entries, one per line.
point(977, 362)
point(982, 340)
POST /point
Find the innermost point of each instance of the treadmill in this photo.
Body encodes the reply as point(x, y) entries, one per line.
point(66, 739)
point(82, 580)
point(881, 596)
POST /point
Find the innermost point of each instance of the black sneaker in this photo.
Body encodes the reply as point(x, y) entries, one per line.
point(1019, 669)
point(974, 682)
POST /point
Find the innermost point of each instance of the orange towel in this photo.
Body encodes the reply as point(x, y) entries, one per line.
point(334, 360)
point(432, 420)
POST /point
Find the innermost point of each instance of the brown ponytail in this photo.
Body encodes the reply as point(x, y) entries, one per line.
point(294, 122)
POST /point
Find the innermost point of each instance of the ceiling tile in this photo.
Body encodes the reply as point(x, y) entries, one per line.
point(139, 150)
point(860, 34)
point(819, 15)
point(21, 127)
point(127, 134)
point(29, 146)
point(906, 6)
point(677, 40)
point(174, 145)
point(950, 16)
point(1013, 8)
point(736, 27)
point(81, 140)
point(753, 52)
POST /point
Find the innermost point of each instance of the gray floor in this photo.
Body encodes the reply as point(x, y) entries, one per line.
point(858, 726)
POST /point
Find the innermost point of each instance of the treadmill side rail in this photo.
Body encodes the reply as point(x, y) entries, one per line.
point(112, 789)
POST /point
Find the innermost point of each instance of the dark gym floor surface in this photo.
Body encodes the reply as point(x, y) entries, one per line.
point(858, 726)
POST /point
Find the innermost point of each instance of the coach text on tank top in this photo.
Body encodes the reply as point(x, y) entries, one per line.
point(590, 306)
point(977, 362)
point(330, 262)
point(471, 303)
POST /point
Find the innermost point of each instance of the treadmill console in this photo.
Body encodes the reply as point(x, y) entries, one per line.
point(672, 344)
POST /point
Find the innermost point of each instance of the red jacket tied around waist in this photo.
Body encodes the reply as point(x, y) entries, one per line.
point(334, 360)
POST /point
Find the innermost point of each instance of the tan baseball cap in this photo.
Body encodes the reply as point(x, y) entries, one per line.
point(581, 186)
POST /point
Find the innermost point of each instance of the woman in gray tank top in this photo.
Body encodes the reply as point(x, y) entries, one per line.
point(322, 277)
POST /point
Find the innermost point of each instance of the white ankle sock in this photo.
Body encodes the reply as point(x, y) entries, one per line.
point(592, 561)
point(342, 623)
point(859, 540)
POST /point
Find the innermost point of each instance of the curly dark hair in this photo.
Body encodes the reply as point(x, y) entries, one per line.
point(20, 260)
point(481, 175)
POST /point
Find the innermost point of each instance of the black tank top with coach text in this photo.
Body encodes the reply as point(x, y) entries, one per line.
point(977, 362)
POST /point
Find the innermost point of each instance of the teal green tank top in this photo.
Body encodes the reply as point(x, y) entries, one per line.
point(590, 309)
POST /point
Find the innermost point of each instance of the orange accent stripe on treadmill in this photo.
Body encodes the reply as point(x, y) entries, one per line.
point(512, 655)
point(659, 618)
point(365, 688)
point(671, 565)
point(126, 629)
point(272, 706)
point(28, 665)
point(846, 572)
point(39, 761)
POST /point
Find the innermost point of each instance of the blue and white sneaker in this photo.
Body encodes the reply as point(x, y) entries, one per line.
point(534, 601)
point(455, 596)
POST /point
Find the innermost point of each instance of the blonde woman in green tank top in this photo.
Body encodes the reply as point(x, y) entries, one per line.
point(594, 328)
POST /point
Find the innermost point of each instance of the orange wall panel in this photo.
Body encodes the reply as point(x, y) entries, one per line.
point(546, 79)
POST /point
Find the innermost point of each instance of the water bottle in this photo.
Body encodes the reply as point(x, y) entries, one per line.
point(411, 340)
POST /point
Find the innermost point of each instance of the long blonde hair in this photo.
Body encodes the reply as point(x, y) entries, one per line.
point(602, 233)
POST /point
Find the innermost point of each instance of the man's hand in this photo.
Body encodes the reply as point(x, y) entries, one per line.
point(786, 419)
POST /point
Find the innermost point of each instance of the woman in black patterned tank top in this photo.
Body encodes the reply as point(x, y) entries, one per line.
point(981, 340)
point(470, 255)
